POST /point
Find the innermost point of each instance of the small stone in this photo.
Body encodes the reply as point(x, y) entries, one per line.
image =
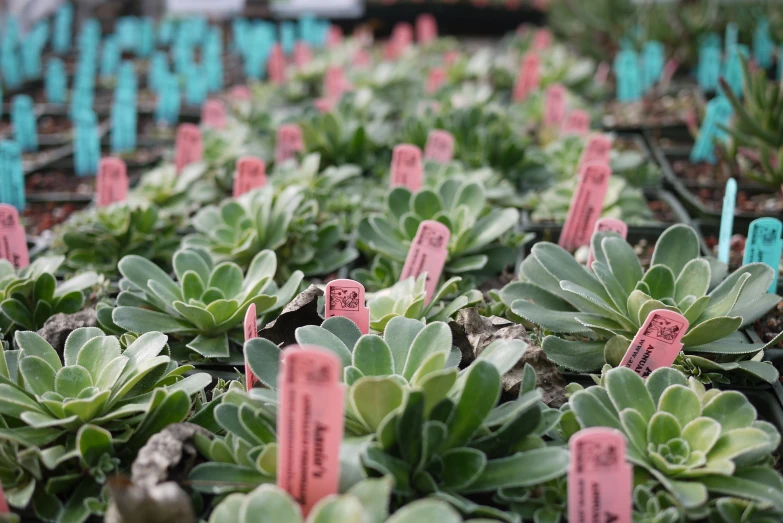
point(57, 328)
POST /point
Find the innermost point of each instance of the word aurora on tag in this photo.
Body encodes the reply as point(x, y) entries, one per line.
point(440, 146)
point(346, 298)
point(111, 184)
point(188, 147)
point(611, 225)
point(600, 480)
point(13, 241)
point(428, 253)
point(309, 424)
point(250, 174)
point(251, 331)
point(586, 205)
point(289, 142)
point(406, 167)
point(657, 343)
point(765, 245)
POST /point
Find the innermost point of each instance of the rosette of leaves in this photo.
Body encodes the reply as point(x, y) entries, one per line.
point(287, 222)
point(179, 193)
point(116, 231)
point(460, 446)
point(32, 295)
point(699, 446)
point(204, 308)
point(408, 298)
point(498, 189)
point(758, 124)
point(622, 201)
point(595, 313)
point(483, 241)
point(72, 420)
point(367, 501)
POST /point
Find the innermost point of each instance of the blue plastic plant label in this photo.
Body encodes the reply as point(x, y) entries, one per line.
point(11, 66)
point(239, 34)
point(123, 126)
point(127, 31)
point(287, 37)
point(11, 175)
point(732, 37)
point(653, 60)
point(727, 221)
point(214, 70)
point(81, 100)
point(63, 27)
point(126, 77)
point(55, 81)
point(718, 113)
point(23, 118)
point(90, 35)
point(196, 89)
point(145, 39)
point(169, 100)
point(765, 245)
point(732, 70)
point(86, 146)
point(763, 47)
point(110, 57)
point(158, 69)
point(708, 70)
point(626, 70)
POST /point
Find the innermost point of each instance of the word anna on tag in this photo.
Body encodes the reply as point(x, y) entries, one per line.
point(111, 182)
point(586, 205)
point(406, 167)
point(309, 424)
point(657, 343)
point(440, 146)
point(346, 298)
point(428, 254)
point(251, 174)
point(188, 147)
point(13, 241)
point(251, 331)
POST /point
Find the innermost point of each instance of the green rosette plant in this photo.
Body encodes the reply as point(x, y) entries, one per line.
point(118, 230)
point(32, 295)
point(482, 239)
point(595, 313)
point(179, 193)
point(288, 223)
point(408, 298)
point(704, 448)
point(70, 421)
point(204, 308)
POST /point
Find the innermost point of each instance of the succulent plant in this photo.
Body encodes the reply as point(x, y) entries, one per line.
point(482, 241)
point(500, 192)
point(408, 298)
point(119, 230)
point(460, 446)
point(177, 193)
point(207, 303)
point(288, 223)
point(595, 313)
point(32, 295)
point(758, 124)
point(71, 420)
point(367, 501)
point(697, 445)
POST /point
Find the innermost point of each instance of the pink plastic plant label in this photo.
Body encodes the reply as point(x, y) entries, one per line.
point(528, 78)
point(361, 58)
point(402, 34)
point(335, 83)
point(602, 73)
point(188, 147)
point(4, 509)
point(213, 114)
point(600, 480)
point(251, 174)
point(334, 37)
point(596, 150)
point(555, 106)
point(346, 298)
point(251, 331)
point(13, 242)
point(657, 343)
point(440, 146)
point(289, 142)
point(406, 168)
point(428, 253)
point(450, 57)
point(241, 93)
point(324, 105)
point(608, 224)
point(426, 28)
point(542, 39)
point(586, 205)
point(309, 424)
point(276, 65)
point(302, 54)
point(111, 182)
point(435, 80)
point(576, 123)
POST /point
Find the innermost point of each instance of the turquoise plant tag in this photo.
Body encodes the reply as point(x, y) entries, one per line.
point(23, 118)
point(732, 68)
point(157, 71)
point(63, 26)
point(718, 113)
point(11, 175)
point(287, 37)
point(126, 77)
point(765, 245)
point(110, 58)
point(165, 31)
point(732, 37)
point(123, 123)
point(196, 86)
point(727, 221)
point(11, 66)
point(763, 48)
point(169, 101)
point(55, 81)
point(145, 39)
point(87, 146)
point(31, 56)
point(653, 61)
point(127, 31)
point(81, 100)
point(626, 70)
point(708, 70)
